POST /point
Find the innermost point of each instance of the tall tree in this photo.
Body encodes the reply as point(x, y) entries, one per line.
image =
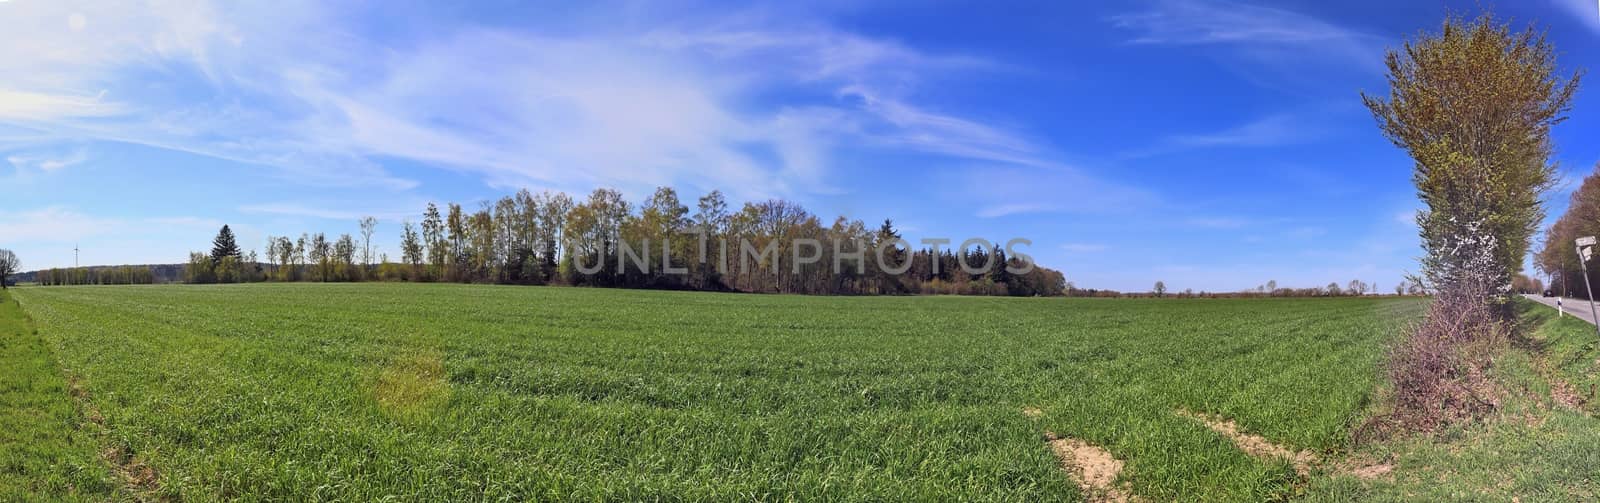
point(368, 226)
point(711, 220)
point(8, 266)
point(410, 247)
point(433, 238)
point(224, 246)
point(344, 258)
point(201, 269)
point(456, 227)
point(892, 256)
point(322, 255)
point(1473, 105)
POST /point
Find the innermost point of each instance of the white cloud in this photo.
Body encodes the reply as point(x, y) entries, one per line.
point(33, 107)
point(47, 162)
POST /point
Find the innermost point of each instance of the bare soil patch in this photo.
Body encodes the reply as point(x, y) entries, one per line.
point(1565, 395)
point(1093, 468)
point(1372, 472)
point(1255, 445)
point(140, 479)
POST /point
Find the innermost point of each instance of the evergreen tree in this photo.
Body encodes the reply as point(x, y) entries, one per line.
point(225, 246)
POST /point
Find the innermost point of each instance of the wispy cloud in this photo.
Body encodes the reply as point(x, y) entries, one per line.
point(47, 161)
point(1280, 129)
point(1269, 131)
point(1009, 191)
point(1266, 33)
point(45, 237)
point(1587, 11)
point(1216, 222)
point(53, 224)
point(1083, 247)
point(294, 209)
point(289, 88)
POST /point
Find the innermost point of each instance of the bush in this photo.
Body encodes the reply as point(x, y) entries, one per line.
point(1438, 370)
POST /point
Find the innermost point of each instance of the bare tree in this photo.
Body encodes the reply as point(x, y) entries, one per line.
point(368, 225)
point(1357, 288)
point(8, 266)
point(1161, 288)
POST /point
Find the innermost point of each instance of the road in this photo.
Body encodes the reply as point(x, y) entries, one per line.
point(1575, 307)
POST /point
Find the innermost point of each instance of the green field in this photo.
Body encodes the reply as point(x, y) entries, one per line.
point(426, 392)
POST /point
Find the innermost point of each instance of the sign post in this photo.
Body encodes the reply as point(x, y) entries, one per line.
point(1585, 248)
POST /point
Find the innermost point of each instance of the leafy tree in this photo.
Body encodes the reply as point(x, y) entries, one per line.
point(224, 246)
point(200, 269)
point(711, 220)
point(433, 238)
point(456, 228)
point(1473, 105)
point(8, 266)
point(551, 226)
point(344, 258)
point(322, 257)
point(227, 270)
point(410, 247)
point(480, 239)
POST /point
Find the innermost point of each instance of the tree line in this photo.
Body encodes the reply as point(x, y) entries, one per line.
point(1558, 257)
point(97, 275)
point(549, 238)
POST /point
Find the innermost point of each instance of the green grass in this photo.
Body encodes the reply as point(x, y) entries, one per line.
point(1571, 349)
point(1531, 448)
point(45, 451)
point(358, 392)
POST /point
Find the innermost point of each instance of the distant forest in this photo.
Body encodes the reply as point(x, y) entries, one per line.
point(551, 239)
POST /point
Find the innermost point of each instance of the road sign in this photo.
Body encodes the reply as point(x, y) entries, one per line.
point(1585, 251)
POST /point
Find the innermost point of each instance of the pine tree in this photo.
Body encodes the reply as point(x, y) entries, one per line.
point(224, 246)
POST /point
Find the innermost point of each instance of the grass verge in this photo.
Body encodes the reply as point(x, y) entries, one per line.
point(1534, 448)
point(46, 452)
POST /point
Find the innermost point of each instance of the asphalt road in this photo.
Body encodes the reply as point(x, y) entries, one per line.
point(1575, 307)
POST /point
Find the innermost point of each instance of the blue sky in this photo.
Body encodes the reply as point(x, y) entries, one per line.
point(1213, 145)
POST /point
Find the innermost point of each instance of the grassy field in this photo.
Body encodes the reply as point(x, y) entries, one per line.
point(357, 392)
